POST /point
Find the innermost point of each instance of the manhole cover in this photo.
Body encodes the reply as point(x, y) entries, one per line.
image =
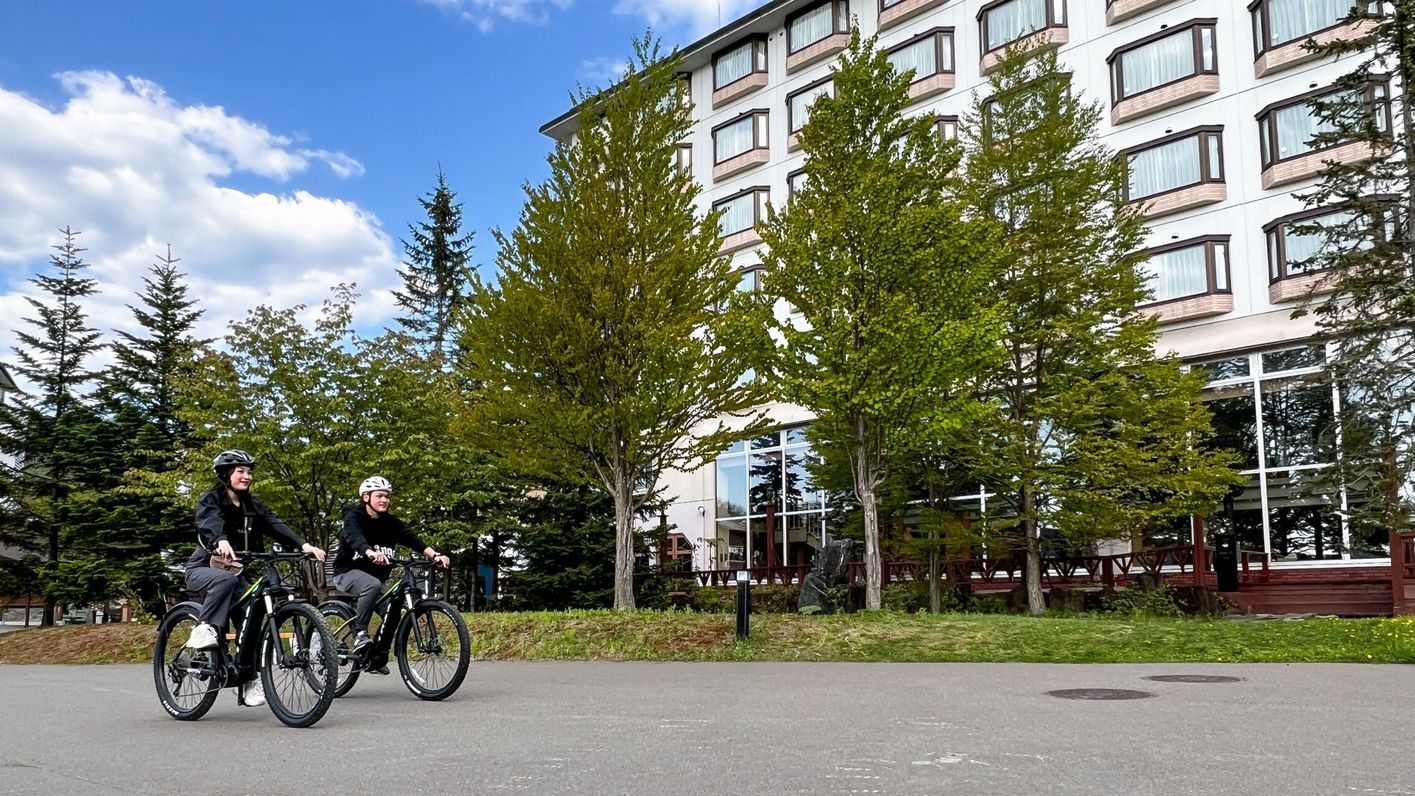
point(1100, 693)
point(1194, 678)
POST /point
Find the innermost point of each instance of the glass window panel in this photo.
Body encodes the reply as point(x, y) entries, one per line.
point(1292, 19)
point(1159, 62)
point(1303, 246)
point(736, 447)
point(1241, 515)
point(1012, 21)
point(1164, 168)
point(1222, 369)
point(1303, 521)
point(796, 436)
point(1296, 126)
point(1308, 356)
point(732, 486)
point(765, 481)
point(805, 535)
point(801, 104)
point(1297, 421)
point(801, 492)
point(1215, 156)
point(738, 214)
point(1179, 272)
point(796, 182)
point(750, 280)
point(811, 26)
point(1235, 423)
point(735, 138)
point(919, 56)
point(768, 440)
point(733, 66)
point(1221, 266)
point(733, 536)
point(1368, 540)
point(1206, 48)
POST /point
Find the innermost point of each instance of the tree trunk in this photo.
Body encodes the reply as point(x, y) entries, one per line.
point(1036, 603)
point(623, 546)
point(872, 557)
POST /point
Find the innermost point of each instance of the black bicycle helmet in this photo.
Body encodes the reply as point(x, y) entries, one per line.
point(226, 461)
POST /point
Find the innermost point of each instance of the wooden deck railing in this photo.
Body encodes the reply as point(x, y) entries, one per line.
point(786, 576)
point(1402, 572)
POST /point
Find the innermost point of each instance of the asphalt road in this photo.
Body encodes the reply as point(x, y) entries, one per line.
point(601, 728)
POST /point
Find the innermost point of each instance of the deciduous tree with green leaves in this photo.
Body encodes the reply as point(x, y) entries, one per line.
point(1366, 246)
point(1094, 437)
point(889, 280)
point(605, 350)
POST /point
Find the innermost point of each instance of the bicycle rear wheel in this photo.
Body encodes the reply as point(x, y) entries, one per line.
point(187, 680)
point(433, 649)
point(299, 665)
point(339, 615)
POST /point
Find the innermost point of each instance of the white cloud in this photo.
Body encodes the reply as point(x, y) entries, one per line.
point(699, 16)
point(134, 170)
point(486, 13)
point(603, 71)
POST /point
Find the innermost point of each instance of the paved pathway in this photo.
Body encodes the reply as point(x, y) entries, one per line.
point(600, 728)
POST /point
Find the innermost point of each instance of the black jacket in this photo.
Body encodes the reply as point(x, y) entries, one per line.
point(361, 532)
point(245, 525)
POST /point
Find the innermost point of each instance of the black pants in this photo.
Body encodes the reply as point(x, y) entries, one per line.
point(365, 589)
point(218, 589)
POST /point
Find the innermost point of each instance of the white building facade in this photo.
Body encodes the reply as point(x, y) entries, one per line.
point(1207, 100)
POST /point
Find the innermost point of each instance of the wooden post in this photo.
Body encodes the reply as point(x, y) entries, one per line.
point(771, 551)
point(1200, 564)
point(1397, 571)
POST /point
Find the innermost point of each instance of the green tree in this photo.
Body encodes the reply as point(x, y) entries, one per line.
point(603, 351)
point(49, 432)
point(1094, 437)
point(890, 280)
point(566, 546)
point(435, 275)
point(1370, 314)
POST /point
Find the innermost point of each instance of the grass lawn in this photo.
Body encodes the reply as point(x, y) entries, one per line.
point(675, 636)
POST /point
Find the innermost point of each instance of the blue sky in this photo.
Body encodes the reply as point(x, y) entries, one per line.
point(280, 146)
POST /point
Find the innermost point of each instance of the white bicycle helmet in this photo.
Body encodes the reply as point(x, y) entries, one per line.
point(375, 483)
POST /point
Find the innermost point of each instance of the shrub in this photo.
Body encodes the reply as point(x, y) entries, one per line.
point(1158, 601)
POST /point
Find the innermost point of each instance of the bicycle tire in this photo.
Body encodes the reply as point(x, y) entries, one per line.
point(418, 678)
point(167, 673)
point(343, 640)
point(316, 674)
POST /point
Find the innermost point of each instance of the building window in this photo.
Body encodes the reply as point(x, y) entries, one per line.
point(762, 481)
point(685, 157)
point(1175, 162)
point(1189, 268)
point(1006, 21)
point(1162, 59)
point(742, 211)
point(1279, 22)
point(741, 135)
point(928, 54)
point(743, 60)
point(1286, 129)
point(1277, 410)
point(1294, 242)
point(749, 279)
point(817, 23)
point(798, 105)
point(795, 183)
point(947, 128)
point(1028, 104)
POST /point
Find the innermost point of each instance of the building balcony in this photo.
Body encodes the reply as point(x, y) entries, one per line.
point(821, 50)
point(1296, 288)
point(1206, 193)
point(735, 165)
point(739, 240)
point(899, 12)
point(1295, 52)
point(1312, 163)
point(1047, 37)
point(1189, 308)
point(737, 88)
point(1125, 9)
point(931, 86)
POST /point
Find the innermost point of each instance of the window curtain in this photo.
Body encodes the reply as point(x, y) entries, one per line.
point(1295, 128)
point(733, 66)
point(734, 139)
point(812, 26)
point(1158, 62)
point(1163, 168)
point(1014, 20)
point(918, 56)
point(738, 214)
point(1303, 247)
point(801, 105)
point(1179, 273)
point(1292, 19)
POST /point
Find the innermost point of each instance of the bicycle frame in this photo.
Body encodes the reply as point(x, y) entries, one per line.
point(403, 595)
point(253, 612)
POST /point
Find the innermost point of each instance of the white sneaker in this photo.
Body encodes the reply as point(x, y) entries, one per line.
point(203, 637)
point(251, 694)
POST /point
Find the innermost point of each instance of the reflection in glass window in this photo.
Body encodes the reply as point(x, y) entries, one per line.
point(1297, 417)
point(1292, 359)
point(1235, 421)
point(759, 479)
point(1222, 369)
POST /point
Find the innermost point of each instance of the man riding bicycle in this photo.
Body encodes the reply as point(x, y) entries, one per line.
point(228, 511)
point(370, 535)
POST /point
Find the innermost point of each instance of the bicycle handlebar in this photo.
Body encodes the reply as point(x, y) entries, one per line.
point(261, 555)
point(412, 562)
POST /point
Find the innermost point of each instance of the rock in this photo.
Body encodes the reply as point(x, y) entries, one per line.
point(831, 569)
point(1060, 598)
point(1147, 580)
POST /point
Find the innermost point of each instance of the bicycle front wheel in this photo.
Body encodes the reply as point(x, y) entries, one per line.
point(433, 649)
point(299, 665)
point(340, 616)
point(187, 680)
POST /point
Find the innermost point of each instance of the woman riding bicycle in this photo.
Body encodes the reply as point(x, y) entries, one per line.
point(370, 535)
point(229, 511)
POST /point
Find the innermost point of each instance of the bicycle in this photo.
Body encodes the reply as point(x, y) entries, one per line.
point(279, 637)
point(433, 665)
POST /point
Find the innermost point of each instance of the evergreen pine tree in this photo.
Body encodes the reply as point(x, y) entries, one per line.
point(48, 430)
point(435, 281)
